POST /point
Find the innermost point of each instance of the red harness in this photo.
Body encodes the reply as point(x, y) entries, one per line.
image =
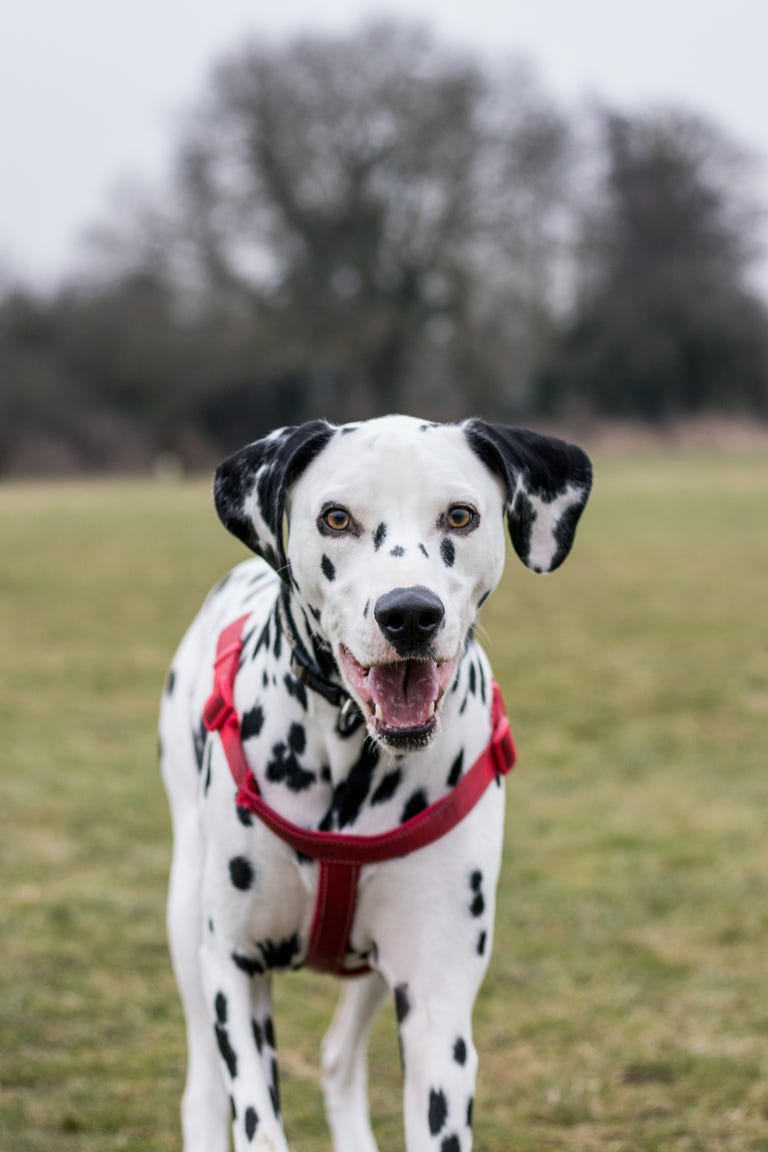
point(341, 857)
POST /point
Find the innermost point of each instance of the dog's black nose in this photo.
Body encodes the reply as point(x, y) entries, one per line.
point(409, 617)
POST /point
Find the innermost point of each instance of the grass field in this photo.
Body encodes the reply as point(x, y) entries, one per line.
point(626, 1006)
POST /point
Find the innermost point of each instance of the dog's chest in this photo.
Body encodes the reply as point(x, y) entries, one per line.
point(262, 892)
point(259, 892)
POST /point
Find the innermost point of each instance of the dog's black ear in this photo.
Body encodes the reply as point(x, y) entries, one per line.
point(250, 487)
point(547, 484)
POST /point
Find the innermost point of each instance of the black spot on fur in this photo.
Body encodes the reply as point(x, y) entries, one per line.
point(241, 873)
point(271, 954)
point(328, 568)
point(222, 583)
point(448, 552)
point(208, 758)
point(274, 1090)
point(456, 770)
point(269, 1032)
point(228, 1054)
point(477, 907)
point(397, 551)
point(220, 1006)
point(251, 965)
point(296, 689)
point(415, 804)
point(483, 599)
point(323, 657)
point(387, 787)
point(277, 648)
point(280, 954)
point(460, 1051)
point(170, 682)
point(367, 609)
point(284, 767)
point(472, 679)
point(482, 681)
point(252, 722)
point(263, 640)
point(470, 1110)
point(199, 738)
point(438, 1110)
point(451, 1144)
point(258, 1038)
point(423, 550)
point(251, 1122)
point(481, 942)
point(297, 738)
point(350, 794)
point(402, 1002)
point(244, 815)
point(380, 535)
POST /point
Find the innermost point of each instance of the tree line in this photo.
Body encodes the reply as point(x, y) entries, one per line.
point(377, 222)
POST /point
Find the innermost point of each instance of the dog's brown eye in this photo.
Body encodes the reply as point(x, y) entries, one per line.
point(337, 519)
point(460, 516)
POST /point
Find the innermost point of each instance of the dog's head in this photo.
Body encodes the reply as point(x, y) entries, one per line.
point(391, 533)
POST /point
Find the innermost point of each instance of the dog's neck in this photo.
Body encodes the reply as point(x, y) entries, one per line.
point(312, 661)
point(295, 623)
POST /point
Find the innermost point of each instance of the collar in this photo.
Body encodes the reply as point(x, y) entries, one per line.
point(305, 670)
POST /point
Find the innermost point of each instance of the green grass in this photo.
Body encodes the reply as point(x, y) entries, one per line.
point(626, 1006)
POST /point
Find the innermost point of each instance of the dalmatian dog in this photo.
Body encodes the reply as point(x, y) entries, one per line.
point(363, 697)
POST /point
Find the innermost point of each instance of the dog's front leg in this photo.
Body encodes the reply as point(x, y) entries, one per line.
point(241, 1017)
point(440, 1064)
point(344, 1068)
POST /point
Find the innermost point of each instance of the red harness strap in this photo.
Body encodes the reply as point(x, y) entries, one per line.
point(342, 856)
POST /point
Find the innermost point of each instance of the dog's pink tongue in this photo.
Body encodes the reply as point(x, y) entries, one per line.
point(405, 692)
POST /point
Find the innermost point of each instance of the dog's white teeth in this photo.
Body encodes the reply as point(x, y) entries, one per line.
point(433, 709)
point(377, 713)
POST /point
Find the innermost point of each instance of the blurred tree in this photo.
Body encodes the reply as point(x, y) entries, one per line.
point(374, 216)
point(74, 392)
point(374, 222)
point(664, 320)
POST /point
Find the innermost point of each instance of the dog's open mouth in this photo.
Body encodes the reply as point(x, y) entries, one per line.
point(402, 698)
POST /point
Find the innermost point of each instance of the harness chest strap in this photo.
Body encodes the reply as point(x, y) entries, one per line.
point(339, 856)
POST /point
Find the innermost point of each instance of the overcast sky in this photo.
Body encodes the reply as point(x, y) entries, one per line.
point(92, 91)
